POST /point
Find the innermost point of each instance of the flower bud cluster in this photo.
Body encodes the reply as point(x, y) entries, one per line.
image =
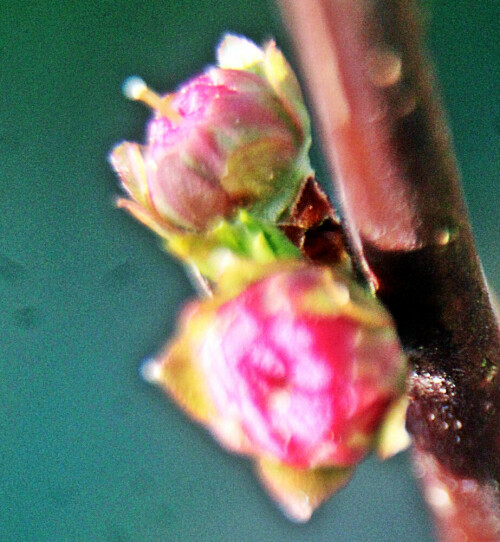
point(293, 364)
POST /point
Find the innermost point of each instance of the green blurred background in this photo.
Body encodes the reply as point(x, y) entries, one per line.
point(88, 451)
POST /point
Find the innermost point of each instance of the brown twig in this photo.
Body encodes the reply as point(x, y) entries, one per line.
point(388, 145)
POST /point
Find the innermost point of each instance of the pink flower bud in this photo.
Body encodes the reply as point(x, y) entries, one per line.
point(234, 136)
point(294, 365)
point(300, 366)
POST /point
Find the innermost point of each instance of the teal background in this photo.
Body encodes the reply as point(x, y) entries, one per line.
point(88, 451)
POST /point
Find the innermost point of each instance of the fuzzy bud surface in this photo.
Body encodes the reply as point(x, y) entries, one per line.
point(233, 137)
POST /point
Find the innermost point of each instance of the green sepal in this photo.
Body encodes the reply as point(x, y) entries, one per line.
point(392, 436)
point(300, 491)
point(280, 202)
point(244, 238)
point(184, 381)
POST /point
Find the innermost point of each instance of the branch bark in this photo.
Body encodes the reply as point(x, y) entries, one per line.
point(389, 149)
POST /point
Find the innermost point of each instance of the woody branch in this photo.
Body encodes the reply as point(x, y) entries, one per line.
point(385, 137)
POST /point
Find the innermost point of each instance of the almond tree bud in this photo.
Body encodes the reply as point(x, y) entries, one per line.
point(235, 136)
point(294, 365)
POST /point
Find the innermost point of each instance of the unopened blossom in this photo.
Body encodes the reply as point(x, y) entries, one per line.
point(292, 364)
point(235, 136)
